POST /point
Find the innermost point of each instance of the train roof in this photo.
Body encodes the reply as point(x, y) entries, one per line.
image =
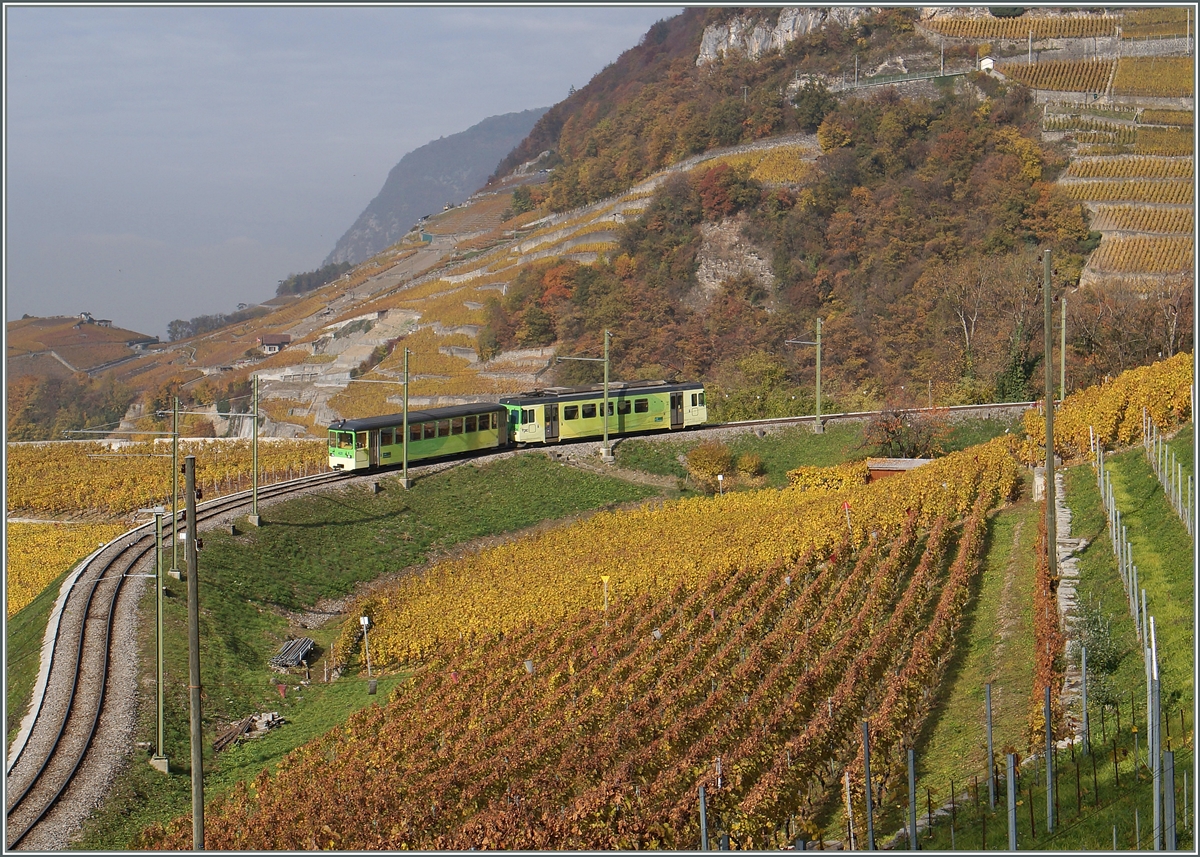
point(449, 412)
point(616, 389)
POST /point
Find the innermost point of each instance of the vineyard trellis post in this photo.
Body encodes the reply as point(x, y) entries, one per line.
point(867, 786)
point(990, 751)
point(1011, 784)
point(914, 844)
point(703, 822)
point(1169, 797)
point(1087, 740)
point(1049, 763)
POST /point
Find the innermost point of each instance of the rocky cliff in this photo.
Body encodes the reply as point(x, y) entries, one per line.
point(752, 35)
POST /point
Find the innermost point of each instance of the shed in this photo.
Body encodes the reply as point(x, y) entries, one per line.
point(987, 63)
point(881, 468)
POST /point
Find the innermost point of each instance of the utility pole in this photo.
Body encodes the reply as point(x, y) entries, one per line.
point(1062, 351)
point(606, 452)
point(160, 759)
point(1048, 300)
point(817, 427)
point(405, 482)
point(254, 519)
point(193, 603)
point(174, 487)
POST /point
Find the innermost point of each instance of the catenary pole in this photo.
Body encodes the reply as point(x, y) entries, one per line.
point(193, 605)
point(1048, 289)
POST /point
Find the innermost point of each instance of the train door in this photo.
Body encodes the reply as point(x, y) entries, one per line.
point(552, 423)
point(676, 410)
point(373, 448)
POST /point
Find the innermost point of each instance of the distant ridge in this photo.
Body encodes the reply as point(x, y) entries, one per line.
point(443, 171)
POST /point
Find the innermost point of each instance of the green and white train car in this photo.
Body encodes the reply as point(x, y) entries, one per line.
point(372, 442)
point(575, 413)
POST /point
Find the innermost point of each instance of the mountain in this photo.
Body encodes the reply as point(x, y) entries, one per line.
point(443, 171)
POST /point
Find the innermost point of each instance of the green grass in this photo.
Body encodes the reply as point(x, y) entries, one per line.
point(789, 448)
point(1085, 819)
point(1162, 552)
point(23, 649)
point(1183, 447)
point(312, 548)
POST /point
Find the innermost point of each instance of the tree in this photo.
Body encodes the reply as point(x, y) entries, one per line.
point(813, 103)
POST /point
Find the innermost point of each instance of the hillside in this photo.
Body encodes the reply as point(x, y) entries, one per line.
point(903, 200)
point(444, 171)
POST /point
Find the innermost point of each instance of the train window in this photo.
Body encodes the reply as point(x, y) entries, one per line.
point(701, 397)
point(694, 398)
point(610, 408)
point(589, 411)
point(361, 441)
point(414, 432)
point(386, 437)
point(443, 427)
point(570, 412)
point(487, 421)
point(456, 425)
point(471, 424)
point(430, 430)
point(641, 406)
point(624, 406)
point(345, 439)
point(529, 415)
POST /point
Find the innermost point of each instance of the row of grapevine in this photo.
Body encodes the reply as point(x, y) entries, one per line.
point(1143, 218)
point(1143, 254)
point(35, 554)
point(1185, 118)
point(1061, 75)
point(1158, 191)
point(65, 479)
point(1161, 21)
point(1042, 27)
point(1113, 410)
point(1155, 77)
point(1177, 142)
point(1131, 166)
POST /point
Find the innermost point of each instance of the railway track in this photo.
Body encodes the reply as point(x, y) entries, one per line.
point(74, 731)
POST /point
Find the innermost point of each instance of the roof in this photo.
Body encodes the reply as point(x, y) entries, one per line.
point(388, 420)
point(616, 389)
point(275, 339)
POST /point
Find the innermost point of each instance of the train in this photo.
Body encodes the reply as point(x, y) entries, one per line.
point(546, 416)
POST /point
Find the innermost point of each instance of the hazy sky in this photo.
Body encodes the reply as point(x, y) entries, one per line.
point(167, 162)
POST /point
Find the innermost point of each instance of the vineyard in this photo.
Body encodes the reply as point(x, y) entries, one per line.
point(1156, 77)
point(415, 618)
point(67, 479)
point(1061, 75)
point(1158, 191)
point(1143, 23)
point(1046, 27)
point(540, 719)
point(1143, 254)
point(35, 554)
point(782, 165)
point(1169, 117)
point(1138, 218)
point(1131, 167)
point(1111, 413)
